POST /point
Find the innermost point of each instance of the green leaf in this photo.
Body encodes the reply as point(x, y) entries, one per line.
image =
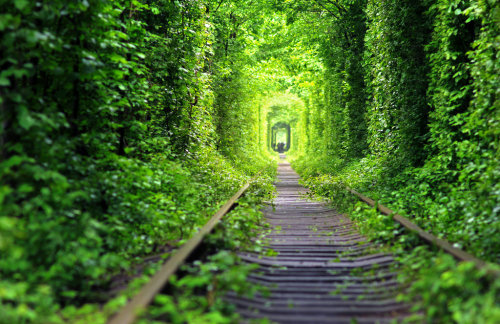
point(5, 21)
point(12, 161)
point(117, 58)
point(4, 81)
point(21, 4)
point(24, 118)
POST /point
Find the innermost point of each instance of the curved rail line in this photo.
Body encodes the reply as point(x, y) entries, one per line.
point(128, 314)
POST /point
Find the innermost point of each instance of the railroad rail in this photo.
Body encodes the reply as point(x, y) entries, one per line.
point(323, 270)
point(128, 313)
point(459, 254)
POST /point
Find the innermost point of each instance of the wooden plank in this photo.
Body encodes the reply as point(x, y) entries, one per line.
point(129, 312)
point(430, 238)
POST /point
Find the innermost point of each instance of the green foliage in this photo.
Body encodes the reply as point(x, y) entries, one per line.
point(396, 76)
point(107, 143)
point(345, 128)
point(332, 124)
point(431, 70)
point(197, 295)
point(455, 293)
point(124, 124)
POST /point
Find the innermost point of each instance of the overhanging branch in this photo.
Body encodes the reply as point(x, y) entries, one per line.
point(324, 7)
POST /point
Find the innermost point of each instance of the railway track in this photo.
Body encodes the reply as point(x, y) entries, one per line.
point(324, 271)
point(317, 268)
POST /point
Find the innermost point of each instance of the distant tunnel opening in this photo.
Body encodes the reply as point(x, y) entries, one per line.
point(280, 137)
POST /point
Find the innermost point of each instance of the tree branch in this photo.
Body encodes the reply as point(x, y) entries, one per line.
point(324, 7)
point(339, 7)
point(218, 6)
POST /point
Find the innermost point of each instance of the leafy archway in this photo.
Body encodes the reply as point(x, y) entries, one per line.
point(280, 137)
point(283, 111)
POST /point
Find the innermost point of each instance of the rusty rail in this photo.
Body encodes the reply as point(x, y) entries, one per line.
point(128, 314)
point(428, 237)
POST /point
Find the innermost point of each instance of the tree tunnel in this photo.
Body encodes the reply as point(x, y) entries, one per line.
point(280, 137)
point(283, 111)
